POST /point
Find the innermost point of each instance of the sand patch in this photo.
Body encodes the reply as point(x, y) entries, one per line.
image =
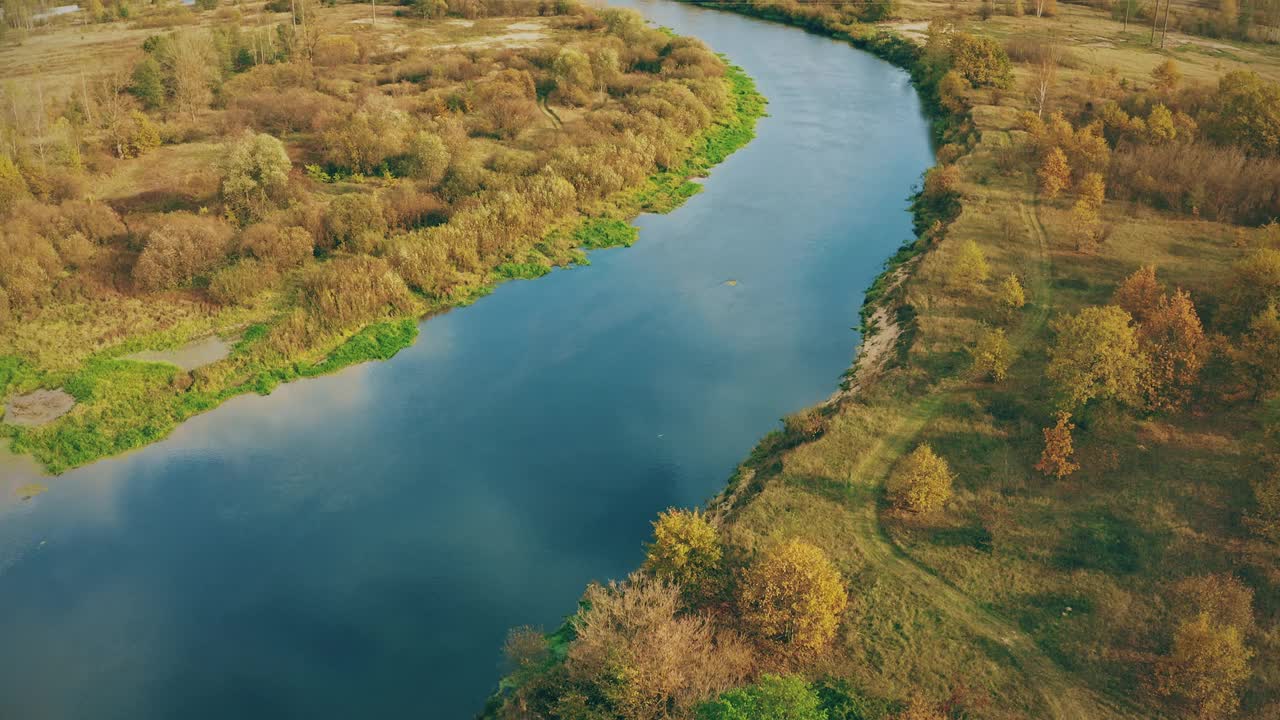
point(194, 354)
point(525, 33)
point(38, 408)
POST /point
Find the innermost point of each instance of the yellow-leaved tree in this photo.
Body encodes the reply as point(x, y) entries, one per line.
point(1176, 348)
point(993, 355)
point(921, 482)
point(1054, 173)
point(969, 267)
point(685, 550)
point(1096, 355)
point(1012, 296)
point(1140, 293)
point(793, 597)
point(1206, 667)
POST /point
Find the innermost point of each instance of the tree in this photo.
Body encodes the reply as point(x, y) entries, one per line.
point(1056, 459)
point(647, 660)
point(255, 174)
point(921, 709)
point(1228, 16)
point(1245, 111)
point(1140, 293)
point(1160, 127)
point(969, 269)
point(1054, 173)
point(793, 597)
point(1221, 596)
point(1092, 191)
point(1254, 284)
point(1166, 76)
point(1176, 347)
point(572, 71)
point(1041, 82)
point(427, 157)
point(993, 355)
point(921, 482)
point(981, 60)
point(685, 550)
point(13, 187)
point(148, 83)
point(1206, 667)
point(1046, 8)
point(193, 70)
point(1265, 518)
point(1258, 354)
point(1096, 355)
point(277, 247)
point(772, 698)
point(1012, 297)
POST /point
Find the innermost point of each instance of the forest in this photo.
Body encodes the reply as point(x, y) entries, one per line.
point(304, 185)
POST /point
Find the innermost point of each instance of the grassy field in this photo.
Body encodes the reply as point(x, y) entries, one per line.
point(1052, 596)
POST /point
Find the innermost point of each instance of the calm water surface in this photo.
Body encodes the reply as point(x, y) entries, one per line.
point(357, 545)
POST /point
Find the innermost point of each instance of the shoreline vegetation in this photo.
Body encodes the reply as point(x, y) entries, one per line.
point(124, 404)
point(995, 527)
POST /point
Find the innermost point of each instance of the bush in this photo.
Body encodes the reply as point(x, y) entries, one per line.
point(13, 187)
point(992, 355)
point(240, 282)
point(277, 247)
point(348, 291)
point(772, 698)
point(427, 158)
point(181, 248)
point(921, 482)
point(353, 220)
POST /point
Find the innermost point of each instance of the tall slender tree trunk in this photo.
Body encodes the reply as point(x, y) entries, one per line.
point(1165, 33)
point(1155, 19)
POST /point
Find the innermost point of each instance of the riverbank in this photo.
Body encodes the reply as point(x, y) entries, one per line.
point(125, 404)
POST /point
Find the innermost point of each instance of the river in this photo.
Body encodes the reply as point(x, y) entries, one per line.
point(357, 545)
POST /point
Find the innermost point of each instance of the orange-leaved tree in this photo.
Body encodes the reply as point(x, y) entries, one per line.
point(1056, 459)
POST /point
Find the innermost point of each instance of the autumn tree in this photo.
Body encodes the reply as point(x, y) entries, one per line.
point(427, 157)
point(181, 248)
point(255, 174)
point(1254, 284)
point(645, 658)
point(1057, 458)
point(993, 355)
point(981, 60)
point(969, 268)
point(1092, 191)
point(355, 222)
point(921, 482)
point(1096, 355)
point(13, 187)
point(1258, 354)
point(1222, 596)
point(278, 247)
point(1245, 111)
point(1140, 293)
point(685, 550)
point(772, 698)
point(921, 709)
point(1160, 128)
point(1206, 667)
point(1174, 342)
point(1012, 297)
point(793, 597)
point(1040, 84)
point(1264, 520)
point(1166, 76)
point(1054, 173)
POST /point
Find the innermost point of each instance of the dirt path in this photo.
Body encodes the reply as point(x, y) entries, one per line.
point(1063, 696)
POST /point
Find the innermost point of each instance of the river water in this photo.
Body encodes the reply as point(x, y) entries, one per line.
point(357, 545)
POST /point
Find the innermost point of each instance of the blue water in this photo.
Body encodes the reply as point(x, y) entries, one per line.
point(357, 545)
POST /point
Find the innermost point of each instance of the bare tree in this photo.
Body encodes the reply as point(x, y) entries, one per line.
point(1041, 82)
